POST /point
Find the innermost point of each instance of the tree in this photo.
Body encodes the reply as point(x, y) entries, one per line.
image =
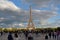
point(58, 28)
point(0, 29)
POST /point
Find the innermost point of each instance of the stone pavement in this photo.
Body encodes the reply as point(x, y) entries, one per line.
point(22, 36)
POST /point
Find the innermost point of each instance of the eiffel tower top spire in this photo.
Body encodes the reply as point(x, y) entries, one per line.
point(30, 22)
point(30, 13)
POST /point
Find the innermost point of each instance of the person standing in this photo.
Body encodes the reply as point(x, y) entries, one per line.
point(58, 37)
point(46, 37)
point(1, 33)
point(16, 36)
point(58, 34)
point(50, 34)
point(10, 36)
point(55, 34)
point(30, 38)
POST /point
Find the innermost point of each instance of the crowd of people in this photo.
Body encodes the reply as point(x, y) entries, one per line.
point(54, 35)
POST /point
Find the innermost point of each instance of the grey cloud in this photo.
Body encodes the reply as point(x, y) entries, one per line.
point(38, 3)
point(10, 16)
point(54, 24)
point(23, 16)
point(57, 2)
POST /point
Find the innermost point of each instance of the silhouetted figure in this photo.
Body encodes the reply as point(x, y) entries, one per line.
point(58, 33)
point(1, 33)
point(50, 34)
point(58, 37)
point(53, 34)
point(36, 32)
point(30, 38)
point(10, 36)
point(16, 35)
point(46, 37)
point(26, 34)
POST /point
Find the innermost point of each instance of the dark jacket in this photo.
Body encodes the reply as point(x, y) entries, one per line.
point(10, 37)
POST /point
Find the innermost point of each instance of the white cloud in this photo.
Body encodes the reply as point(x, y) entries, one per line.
point(1, 19)
point(3, 0)
point(21, 24)
point(8, 5)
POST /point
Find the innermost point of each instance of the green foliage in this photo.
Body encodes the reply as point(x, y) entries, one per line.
point(0, 29)
point(37, 29)
point(58, 28)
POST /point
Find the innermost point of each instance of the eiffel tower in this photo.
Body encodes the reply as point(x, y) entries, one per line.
point(30, 22)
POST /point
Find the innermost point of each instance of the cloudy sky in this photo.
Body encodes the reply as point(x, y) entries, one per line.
point(15, 13)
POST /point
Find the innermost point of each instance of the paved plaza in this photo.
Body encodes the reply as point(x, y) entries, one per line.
point(22, 36)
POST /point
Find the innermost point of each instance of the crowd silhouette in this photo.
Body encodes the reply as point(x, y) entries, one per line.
point(48, 34)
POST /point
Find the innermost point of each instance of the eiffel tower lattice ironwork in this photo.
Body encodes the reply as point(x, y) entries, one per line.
point(30, 22)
